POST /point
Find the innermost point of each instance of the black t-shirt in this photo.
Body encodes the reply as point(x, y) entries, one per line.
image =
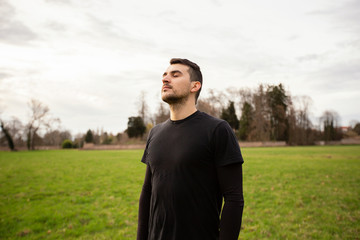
point(183, 156)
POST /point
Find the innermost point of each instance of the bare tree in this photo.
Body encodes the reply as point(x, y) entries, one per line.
point(162, 113)
point(56, 137)
point(303, 109)
point(293, 128)
point(40, 119)
point(143, 107)
point(206, 106)
point(16, 129)
point(7, 136)
point(218, 101)
point(330, 123)
point(245, 95)
point(260, 129)
point(303, 120)
point(300, 128)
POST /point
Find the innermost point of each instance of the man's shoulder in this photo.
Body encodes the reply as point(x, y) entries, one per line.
point(214, 124)
point(158, 127)
point(210, 119)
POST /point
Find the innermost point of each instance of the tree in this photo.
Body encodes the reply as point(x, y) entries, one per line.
point(162, 114)
point(79, 140)
point(89, 138)
point(245, 95)
point(229, 115)
point(16, 130)
point(106, 138)
point(246, 120)
point(260, 129)
point(357, 128)
point(136, 127)
point(277, 102)
point(217, 100)
point(299, 124)
point(330, 120)
point(97, 136)
point(204, 105)
point(119, 137)
point(143, 107)
point(7, 136)
point(67, 144)
point(56, 137)
point(39, 119)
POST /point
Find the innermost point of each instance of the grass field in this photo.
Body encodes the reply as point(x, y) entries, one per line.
point(290, 193)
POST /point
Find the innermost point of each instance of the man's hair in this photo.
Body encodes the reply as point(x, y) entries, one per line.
point(194, 72)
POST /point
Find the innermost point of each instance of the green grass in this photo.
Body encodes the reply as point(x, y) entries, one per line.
point(290, 193)
point(302, 193)
point(69, 194)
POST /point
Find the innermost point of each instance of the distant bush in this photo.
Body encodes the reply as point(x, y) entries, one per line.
point(78, 144)
point(67, 144)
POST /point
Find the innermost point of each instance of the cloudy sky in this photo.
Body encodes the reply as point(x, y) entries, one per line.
point(90, 60)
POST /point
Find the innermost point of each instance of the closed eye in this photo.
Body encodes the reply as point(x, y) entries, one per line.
point(176, 73)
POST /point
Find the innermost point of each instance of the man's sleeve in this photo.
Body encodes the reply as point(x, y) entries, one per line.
point(230, 182)
point(226, 146)
point(144, 207)
point(229, 160)
point(144, 157)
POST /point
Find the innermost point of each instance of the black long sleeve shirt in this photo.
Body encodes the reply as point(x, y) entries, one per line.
point(230, 182)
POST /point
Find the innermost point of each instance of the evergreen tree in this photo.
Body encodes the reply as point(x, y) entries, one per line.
point(246, 120)
point(136, 127)
point(89, 137)
point(229, 115)
point(277, 102)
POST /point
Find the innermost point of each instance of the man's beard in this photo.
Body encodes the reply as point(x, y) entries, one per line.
point(173, 99)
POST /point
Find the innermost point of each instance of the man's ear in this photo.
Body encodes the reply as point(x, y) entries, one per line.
point(195, 86)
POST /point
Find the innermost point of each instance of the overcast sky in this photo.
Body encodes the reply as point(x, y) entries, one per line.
point(90, 60)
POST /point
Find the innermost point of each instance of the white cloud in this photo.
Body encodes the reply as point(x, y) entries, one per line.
point(90, 60)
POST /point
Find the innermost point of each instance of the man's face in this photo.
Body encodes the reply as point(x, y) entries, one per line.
point(176, 84)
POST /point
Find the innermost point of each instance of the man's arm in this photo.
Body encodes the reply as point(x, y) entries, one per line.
point(144, 207)
point(230, 181)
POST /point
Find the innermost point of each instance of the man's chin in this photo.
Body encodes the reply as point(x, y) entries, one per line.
point(171, 99)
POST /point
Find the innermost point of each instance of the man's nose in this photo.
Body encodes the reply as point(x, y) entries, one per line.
point(165, 79)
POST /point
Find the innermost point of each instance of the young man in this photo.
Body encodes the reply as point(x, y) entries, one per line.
point(193, 163)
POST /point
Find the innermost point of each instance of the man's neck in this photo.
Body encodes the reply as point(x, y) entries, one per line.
point(181, 111)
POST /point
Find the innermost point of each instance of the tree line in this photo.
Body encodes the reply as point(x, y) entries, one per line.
point(266, 113)
point(269, 113)
point(43, 129)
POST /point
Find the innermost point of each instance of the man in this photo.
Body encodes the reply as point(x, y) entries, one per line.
point(193, 162)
